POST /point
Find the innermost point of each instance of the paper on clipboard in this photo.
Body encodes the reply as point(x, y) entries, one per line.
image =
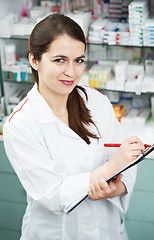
point(136, 161)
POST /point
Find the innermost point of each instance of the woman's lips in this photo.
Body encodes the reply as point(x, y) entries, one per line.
point(66, 82)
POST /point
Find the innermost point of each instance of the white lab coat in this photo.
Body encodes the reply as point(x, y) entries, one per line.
point(53, 164)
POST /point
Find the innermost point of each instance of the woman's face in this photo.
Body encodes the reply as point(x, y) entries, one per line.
point(61, 67)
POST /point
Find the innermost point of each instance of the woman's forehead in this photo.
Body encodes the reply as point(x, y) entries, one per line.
point(65, 44)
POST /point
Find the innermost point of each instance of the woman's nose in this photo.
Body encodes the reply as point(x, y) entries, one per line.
point(70, 70)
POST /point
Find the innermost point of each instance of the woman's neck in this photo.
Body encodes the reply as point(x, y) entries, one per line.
point(56, 102)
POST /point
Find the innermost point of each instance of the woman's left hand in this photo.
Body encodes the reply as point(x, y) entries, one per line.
point(101, 189)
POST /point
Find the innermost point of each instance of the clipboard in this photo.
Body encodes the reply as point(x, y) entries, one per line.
point(136, 161)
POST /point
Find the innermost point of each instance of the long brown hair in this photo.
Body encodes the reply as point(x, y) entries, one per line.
point(41, 37)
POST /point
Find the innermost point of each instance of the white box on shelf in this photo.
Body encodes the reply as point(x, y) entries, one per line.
point(142, 116)
point(121, 71)
point(148, 83)
point(127, 118)
point(6, 25)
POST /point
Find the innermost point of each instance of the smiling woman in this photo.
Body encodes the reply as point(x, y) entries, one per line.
point(55, 139)
point(57, 69)
point(60, 73)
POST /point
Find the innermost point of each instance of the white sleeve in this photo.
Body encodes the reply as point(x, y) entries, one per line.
point(36, 171)
point(122, 201)
point(115, 133)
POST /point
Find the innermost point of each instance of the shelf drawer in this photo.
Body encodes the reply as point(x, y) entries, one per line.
point(145, 177)
point(11, 215)
point(140, 230)
point(141, 207)
point(11, 188)
point(5, 165)
point(6, 234)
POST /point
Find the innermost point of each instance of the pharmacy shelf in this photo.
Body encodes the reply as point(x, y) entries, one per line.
point(10, 85)
point(124, 91)
point(120, 45)
point(20, 37)
point(18, 82)
point(26, 37)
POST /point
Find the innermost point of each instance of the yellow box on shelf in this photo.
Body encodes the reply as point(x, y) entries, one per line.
point(99, 75)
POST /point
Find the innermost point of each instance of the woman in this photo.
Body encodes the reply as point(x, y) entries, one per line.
point(55, 139)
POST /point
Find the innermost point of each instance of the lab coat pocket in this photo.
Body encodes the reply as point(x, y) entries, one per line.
point(122, 230)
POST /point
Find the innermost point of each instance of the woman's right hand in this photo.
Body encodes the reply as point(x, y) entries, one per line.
point(129, 150)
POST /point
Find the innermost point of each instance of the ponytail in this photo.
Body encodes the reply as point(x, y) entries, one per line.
point(79, 115)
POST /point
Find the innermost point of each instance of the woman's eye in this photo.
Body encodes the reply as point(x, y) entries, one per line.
point(80, 60)
point(60, 60)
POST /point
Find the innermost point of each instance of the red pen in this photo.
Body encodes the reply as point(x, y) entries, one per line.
point(118, 145)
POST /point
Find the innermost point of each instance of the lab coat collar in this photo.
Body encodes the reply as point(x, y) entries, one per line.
point(44, 114)
point(39, 106)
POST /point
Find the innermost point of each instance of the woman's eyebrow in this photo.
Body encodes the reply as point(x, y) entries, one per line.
point(63, 56)
point(82, 56)
point(59, 56)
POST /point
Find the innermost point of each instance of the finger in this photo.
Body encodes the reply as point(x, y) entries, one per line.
point(136, 152)
point(92, 193)
point(97, 186)
point(135, 140)
point(103, 184)
point(115, 181)
point(137, 146)
point(118, 178)
point(92, 189)
point(89, 193)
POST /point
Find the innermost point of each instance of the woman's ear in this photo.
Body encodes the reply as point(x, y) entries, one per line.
point(33, 61)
